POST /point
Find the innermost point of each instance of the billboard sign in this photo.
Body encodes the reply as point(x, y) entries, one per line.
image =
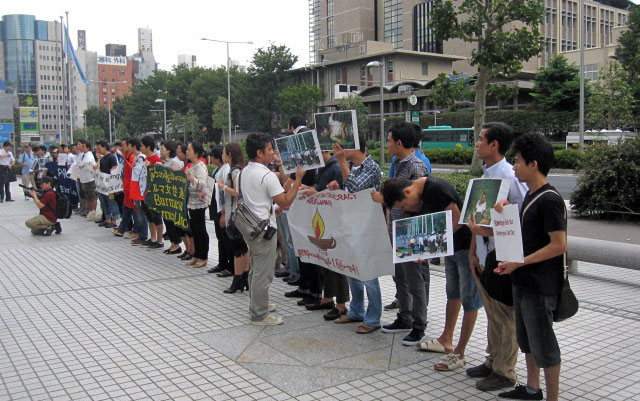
point(112, 60)
point(6, 129)
point(27, 100)
point(29, 115)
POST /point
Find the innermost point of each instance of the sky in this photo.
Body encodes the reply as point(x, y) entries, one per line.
point(178, 26)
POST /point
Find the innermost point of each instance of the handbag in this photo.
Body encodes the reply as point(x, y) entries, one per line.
point(567, 303)
point(244, 220)
point(497, 286)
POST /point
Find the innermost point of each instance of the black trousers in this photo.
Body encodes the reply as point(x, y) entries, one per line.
point(225, 256)
point(310, 278)
point(172, 232)
point(199, 232)
point(5, 185)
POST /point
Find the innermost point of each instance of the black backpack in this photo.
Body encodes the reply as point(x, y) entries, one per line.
point(63, 206)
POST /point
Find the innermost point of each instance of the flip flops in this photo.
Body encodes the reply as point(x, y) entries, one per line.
point(433, 345)
point(366, 329)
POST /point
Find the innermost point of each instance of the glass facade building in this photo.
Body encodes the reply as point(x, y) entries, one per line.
point(393, 22)
point(18, 35)
point(423, 38)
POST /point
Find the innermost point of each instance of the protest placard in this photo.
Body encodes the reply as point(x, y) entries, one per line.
point(65, 185)
point(339, 127)
point(482, 194)
point(62, 159)
point(108, 183)
point(343, 232)
point(301, 148)
point(423, 237)
point(168, 194)
point(507, 234)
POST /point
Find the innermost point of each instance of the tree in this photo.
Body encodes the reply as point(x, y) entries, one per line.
point(506, 33)
point(268, 73)
point(354, 102)
point(97, 117)
point(502, 93)
point(610, 104)
point(557, 86)
point(300, 99)
point(447, 91)
point(220, 117)
point(90, 133)
point(627, 53)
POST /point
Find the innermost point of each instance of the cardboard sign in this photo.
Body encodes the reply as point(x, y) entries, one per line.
point(507, 234)
point(301, 148)
point(482, 195)
point(339, 127)
point(343, 232)
point(423, 237)
point(108, 183)
point(168, 194)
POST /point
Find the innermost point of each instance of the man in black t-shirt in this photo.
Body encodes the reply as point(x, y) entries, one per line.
point(107, 164)
point(431, 195)
point(538, 281)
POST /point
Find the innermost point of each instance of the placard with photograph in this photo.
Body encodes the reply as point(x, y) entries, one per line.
point(339, 127)
point(482, 195)
point(301, 148)
point(423, 237)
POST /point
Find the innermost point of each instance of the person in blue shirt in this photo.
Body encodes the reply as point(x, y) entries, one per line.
point(26, 160)
point(419, 154)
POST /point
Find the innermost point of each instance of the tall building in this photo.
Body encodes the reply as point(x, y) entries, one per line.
point(84, 95)
point(115, 78)
point(116, 50)
point(187, 59)
point(145, 40)
point(82, 40)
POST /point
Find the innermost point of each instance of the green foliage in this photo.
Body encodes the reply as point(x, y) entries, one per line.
point(557, 87)
point(299, 99)
point(611, 180)
point(502, 93)
point(567, 159)
point(461, 156)
point(460, 181)
point(91, 133)
point(446, 92)
point(220, 117)
point(97, 117)
point(610, 105)
point(353, 102)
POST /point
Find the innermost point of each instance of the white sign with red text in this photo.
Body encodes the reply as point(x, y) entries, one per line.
point(343, 232)
point(507, 234)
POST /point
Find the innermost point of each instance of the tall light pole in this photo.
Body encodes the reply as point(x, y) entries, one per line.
point(582, 40)
point(228, 78)
point(382, 133)
point(164, 109)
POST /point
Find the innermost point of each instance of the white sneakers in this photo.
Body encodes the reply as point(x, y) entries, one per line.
point(268, 321)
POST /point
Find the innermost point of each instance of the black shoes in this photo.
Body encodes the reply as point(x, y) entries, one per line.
point(308, 300)
point(295, 294)
point(413, 338)
point(156, 245)
point(281, 273)
point(238, 284)
point(295, 282)
point(47, 231)
point(479, 371)
point(58, 227)
point(494, 382)
point(170, 252)
point(216, 269)
point(396, 327)
point(393, 305)
point(521, 393)
point(321, 306)
point(334, 314)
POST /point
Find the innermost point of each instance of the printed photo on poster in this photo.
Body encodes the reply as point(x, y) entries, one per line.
point(423, 237)
point(339, 127)
point(301, 148)
point(482, 195)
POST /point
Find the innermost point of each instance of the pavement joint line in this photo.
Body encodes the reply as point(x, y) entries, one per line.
point(104, 286)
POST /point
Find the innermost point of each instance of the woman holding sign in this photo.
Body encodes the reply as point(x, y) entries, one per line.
point(197, 176)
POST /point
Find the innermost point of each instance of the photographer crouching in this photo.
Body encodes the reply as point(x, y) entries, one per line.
point(45, 199)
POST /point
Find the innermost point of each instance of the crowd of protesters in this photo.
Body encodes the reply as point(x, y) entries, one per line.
point(518, 298)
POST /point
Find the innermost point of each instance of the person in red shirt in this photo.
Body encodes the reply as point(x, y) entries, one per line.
point(155, 219)
point(129, 208)
point(45, 222)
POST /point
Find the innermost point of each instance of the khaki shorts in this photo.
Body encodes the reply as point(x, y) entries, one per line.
point(89, 190)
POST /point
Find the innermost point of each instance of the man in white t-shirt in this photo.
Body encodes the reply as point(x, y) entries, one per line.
point(85, 165)
point(260, 189)
point(6, 163)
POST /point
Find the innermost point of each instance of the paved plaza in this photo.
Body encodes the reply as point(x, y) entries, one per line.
point(86, 316)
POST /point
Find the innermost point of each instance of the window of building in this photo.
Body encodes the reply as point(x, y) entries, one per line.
point(329, 7)
point(121, 72)
point(102, 69)
point(423, 37)
point(389, 71)
point(569, 25)
point(590, 26)
point(393, 22)
point(338, 75)
point(362, 51)
point(330, 33)
point(104, 90)
point(425, 68)
point(606, 26)
point(591, 71)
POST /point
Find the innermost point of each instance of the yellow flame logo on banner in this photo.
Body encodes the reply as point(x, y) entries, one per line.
point(318, 225)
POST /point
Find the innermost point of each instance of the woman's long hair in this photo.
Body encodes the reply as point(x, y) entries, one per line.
point(235, 151)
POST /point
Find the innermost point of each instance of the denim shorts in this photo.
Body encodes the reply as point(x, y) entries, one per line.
point(534, 326)
point(460, 282)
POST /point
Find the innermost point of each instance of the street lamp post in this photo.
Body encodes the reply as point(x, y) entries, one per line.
point(164, 109)
point(435, 117)
point(382, 133)
point(228, 78)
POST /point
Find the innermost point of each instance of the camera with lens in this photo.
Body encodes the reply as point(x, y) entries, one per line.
point(269, 232)
point(27, 189)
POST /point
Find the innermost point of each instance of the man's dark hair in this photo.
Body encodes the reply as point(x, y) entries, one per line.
point(148, 141)
point(417, 130)
point(363, 142)
point(64, 146)
point(46, 179)
point(135, 142)
point(170, 145)
point(117, 143)
point(533, 147)
point(404, 133)
point(255, 142)
point(126, 140)
point(296, 121)
point(102, 143)
point(393, 191)
point(198, 149)
point(82, 141)
point(216, 152)
point(6, 143)
point(43, 148)
point(501, 132)
point(182, 146)
point(52, 148)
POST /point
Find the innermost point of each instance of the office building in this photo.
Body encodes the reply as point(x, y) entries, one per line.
point(116, 50)
point(145, 40)
point(115, 78)
point(146, 61)
point(188, 60)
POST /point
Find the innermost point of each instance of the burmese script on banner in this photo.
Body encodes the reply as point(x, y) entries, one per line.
point(167, 193)
point(343, 232)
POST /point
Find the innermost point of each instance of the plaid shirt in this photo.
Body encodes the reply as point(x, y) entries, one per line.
point(367, 176)
point(409, 168)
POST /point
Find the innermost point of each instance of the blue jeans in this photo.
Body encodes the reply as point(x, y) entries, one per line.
point(356, 307)
point(109, 207)
point(143, 232)
point(460, 282)
point(292, 260)
point(127, 215)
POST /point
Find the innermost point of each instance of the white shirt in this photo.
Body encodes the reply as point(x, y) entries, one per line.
point(259, 185)
point(71, 158)
point(517, 191)
point(85, 167)
point(6, 161)
point(174, 162)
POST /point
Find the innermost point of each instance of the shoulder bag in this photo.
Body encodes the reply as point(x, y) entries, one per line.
point(244, 220)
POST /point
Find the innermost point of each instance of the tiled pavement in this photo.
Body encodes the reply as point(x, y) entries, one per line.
point(86, 316)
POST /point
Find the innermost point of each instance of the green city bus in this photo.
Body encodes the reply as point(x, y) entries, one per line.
point(446, 137)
